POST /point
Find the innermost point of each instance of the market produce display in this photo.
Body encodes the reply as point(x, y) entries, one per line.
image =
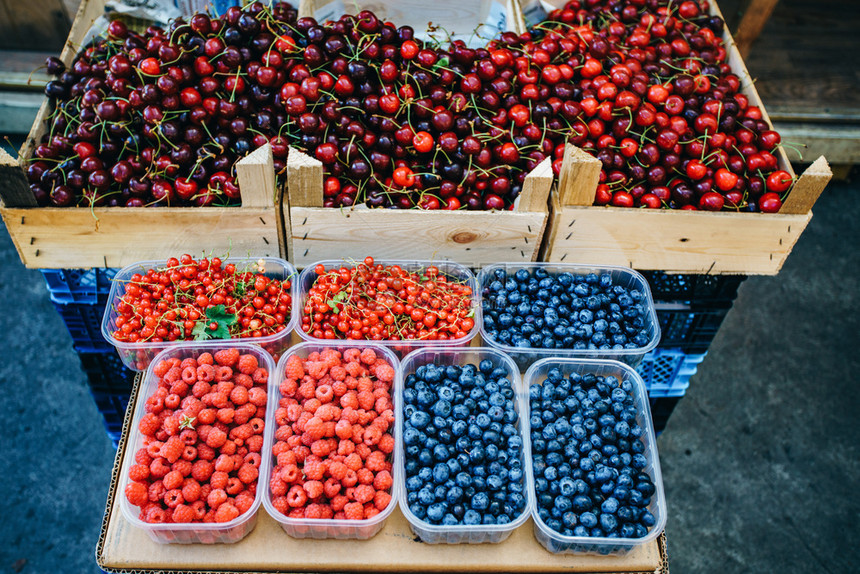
point(590, 473)
point(160, 118)
point(463, 446)
point(202, 439)
point(203, 299)
point(541, 309)
point(334, 437)
point(369, 300)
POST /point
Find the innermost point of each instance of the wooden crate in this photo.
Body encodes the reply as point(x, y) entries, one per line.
point(458, 17)
point(473, 238)
point(117, 236)
point(676, 240)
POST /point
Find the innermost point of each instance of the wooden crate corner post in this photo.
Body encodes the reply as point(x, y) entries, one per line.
point(14, 191)
point(808, 188)
point(580, 174)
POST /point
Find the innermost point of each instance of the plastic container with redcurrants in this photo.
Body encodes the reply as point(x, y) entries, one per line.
point(154, 305)
point(401, 305)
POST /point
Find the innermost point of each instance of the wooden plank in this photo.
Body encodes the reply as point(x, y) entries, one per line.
point(755, 16)
point(304, 179)
point(14, 190)
point(580, 173)
point(256, 178)
point(807, 189)
point(116, 237)
point(536, 188)
point(677, 241)
point(473, 238)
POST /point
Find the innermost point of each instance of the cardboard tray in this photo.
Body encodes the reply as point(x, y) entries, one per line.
point(124, 548)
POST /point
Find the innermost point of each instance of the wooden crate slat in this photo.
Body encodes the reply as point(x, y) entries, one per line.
point(116, 237)
point(468, 237)
point(808, 187)
point(679, 241)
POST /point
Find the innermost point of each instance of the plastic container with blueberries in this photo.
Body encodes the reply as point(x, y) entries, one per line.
point(623, 276)
point(558, 543)
point(464, 534)
point(137, 356)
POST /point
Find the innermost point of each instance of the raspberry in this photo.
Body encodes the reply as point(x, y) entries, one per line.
point(339, 388)
point(353, 462)
point(296, 497)
point(257, 396)
point(138, 472)
point(224, 463)
point(234, 486)
point(351, 355)
point(386, 444)
point(313, 488)
point(260, 376)
point(158, 468)
point(219, 479)
point(320, 448)
point(370, 511)
point(161, 368)
point(376, 461)
point(314, 428)
point(173, 498)
point(248, 473)
point(244, 502)
point(354, 511)
point(183, 513)
point(247, 364)
point(172, 480)
point(239, 396)
point(384, 372)
point(350, 479)
point(223, 374)
point(191, 490)
point(205, 359)
point(227, 357)
point(149, 424)
point(331, 488)
point(290, 473)
point(345, 447)
point(142, 457)
point(189, 375)
point(205, 373)
point(313, 469)
point(324, 393)
point(225, 415)
point(216, 498)
point(136, 493)
point(365, 476)
point(381, 500)
point(216, 438)
point(277, 486)
point(313, 511)
point(156, 491)
point(286, 457)
point(368, 356)
point(294, 368)
point(172, 449)
point(243, 381)
point(337, 470)
point(382, 480)
point(226, 512)
point(156, 515)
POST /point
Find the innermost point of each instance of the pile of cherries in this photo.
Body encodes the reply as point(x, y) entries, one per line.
point(161, 118)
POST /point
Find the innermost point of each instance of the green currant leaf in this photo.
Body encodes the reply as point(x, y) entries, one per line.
point(222, 320)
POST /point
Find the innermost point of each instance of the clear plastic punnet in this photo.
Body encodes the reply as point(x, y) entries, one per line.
point(193, 532)
point(137, 356)
point(401, 347)
point(464, 534)
point(558, 543)
point(326, 528)
point(623, 276)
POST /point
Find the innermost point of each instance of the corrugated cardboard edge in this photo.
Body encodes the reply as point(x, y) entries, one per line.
point(663, 568)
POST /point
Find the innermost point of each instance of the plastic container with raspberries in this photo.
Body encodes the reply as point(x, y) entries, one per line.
point(536, 310)
point(595, 471)
point(464, 480)
point(333, 455)
point(453, 272)
point(138, 355)
point(185, 480)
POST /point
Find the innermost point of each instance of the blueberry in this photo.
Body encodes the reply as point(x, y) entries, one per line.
point(471, 517)
point(588, 519)
point(436, 511)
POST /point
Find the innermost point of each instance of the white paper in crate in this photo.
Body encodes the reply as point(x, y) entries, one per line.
point(472, 22)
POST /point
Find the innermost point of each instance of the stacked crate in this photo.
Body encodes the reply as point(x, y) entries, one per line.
point(79, 296)
point(690, 309)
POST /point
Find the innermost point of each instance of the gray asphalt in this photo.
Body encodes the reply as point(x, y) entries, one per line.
point(760, 458)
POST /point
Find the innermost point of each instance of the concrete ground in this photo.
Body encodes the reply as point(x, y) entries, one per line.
point(760, 458)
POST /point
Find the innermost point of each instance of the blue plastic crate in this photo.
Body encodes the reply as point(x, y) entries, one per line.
point(107, 373)
point(83, 321)
point(86, 286)
point(667, 372)
point(690, 328)
point(693, 288)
